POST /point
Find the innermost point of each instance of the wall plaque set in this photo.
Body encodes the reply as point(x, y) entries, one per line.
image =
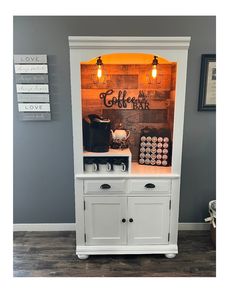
point(31, 76)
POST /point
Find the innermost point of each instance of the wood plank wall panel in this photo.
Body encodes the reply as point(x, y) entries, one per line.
point(160, 93)
point(135, 121)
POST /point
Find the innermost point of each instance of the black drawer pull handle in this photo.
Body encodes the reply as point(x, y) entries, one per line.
point(150, 185)
point(105, 186)
point(123, 220)
point(131, 220)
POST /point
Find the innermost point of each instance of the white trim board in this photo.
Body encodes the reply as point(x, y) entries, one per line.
point(71, 226)
point(44, 227)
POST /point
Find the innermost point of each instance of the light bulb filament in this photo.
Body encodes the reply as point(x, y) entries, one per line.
point(154, 71)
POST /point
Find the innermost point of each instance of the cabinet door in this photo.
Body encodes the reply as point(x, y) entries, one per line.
point(103, 220)
point(148, 220)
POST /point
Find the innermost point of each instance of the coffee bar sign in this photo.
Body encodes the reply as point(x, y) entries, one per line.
point(31, 77)
point(123, 100)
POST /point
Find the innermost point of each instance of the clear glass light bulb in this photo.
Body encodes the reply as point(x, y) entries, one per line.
point(154, 71)
point(99, 72)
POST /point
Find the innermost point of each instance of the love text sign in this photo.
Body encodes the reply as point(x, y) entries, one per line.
point(34, 107)
point(30, 59)
point(32, 89)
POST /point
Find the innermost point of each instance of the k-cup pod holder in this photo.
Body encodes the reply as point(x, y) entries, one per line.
point(155, 147)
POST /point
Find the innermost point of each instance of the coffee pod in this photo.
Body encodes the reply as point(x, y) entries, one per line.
point(164, 157)
point(148, 150)
point(142, 155)
point(149, 138)
point(143, 138)
point(166, 139)
point(148, 144)
point(158, 162)
point(165, 151)
point(143, 144)
point(160, 139)
point(164, 163)
point(165, 145)
point(154, 139)
point(159, 151)
point(153, 156)
point(141, 161)
point(142, 150)
point(148, 156)
point(153, 150)
point(153, 162)
point(159, 145)
point(154, 144)
point(147, 161)
point(159, 157)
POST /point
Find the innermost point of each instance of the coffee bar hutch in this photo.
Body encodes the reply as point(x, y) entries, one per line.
point(133, 210)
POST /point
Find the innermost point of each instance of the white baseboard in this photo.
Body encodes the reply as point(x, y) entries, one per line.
point(44, 227)
point(194, 226)
point(71, 226)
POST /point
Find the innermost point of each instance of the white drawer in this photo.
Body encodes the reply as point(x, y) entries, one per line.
point(104, 186)
point(150, 186)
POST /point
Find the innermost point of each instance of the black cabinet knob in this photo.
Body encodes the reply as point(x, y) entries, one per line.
point(150, 185)
point(131, 220)
point(105, 186)
point(123, 220)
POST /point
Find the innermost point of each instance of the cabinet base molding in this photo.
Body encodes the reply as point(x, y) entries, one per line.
point(147, 249)
point(72, 226)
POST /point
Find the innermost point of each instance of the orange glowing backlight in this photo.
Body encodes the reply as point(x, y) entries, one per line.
point(128, 58)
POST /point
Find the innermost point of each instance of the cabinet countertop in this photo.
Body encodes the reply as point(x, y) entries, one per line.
point(137, 171)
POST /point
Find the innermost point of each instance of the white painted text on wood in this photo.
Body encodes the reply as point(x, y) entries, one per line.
point(34, 107)
point(33, 88)
point(33, 69)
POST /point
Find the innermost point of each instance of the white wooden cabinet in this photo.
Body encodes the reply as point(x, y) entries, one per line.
point(129, 216)
point(150, 220)
point(126, 220)
point(103, 220)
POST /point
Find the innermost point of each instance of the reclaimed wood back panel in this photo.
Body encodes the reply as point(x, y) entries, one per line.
point(160, 93)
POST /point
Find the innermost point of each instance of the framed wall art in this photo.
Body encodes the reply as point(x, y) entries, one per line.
point(207, 89)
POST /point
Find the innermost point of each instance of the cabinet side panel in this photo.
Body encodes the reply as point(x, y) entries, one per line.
point(79, 212)
point(76, 110)
point(174, 213)
point(179, 111)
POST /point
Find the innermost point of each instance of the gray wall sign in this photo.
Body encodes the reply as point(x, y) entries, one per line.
point(32, 97)
point(30, 59)
point(34, 116)
point(31, 78)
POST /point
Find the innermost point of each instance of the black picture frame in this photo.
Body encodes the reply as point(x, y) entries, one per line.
point(207, 87)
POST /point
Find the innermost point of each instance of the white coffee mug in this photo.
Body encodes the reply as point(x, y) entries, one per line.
point(91, 167)
point(104, 167)
point(119, 167)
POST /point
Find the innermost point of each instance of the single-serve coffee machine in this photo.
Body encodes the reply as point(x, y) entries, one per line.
point(96, 133)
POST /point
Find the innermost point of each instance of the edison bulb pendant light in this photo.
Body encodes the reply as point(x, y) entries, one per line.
point(99, 65)
point(154, 67)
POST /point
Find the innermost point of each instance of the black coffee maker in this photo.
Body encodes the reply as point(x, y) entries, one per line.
point(96, 133)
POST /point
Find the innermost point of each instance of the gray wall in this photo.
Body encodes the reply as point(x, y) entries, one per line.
point(43, 155)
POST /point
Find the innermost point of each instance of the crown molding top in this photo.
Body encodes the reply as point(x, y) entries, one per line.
point(102, 42)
